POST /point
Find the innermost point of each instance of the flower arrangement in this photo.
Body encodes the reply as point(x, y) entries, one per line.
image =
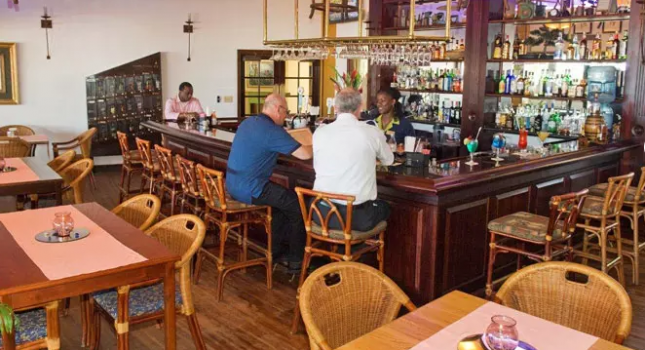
point(7, 320)
point(353, 81)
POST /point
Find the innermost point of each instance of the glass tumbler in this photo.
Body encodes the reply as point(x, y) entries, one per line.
point(63, 223)
point(501, 334)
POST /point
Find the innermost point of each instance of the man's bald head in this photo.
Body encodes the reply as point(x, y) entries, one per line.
point(275, 106)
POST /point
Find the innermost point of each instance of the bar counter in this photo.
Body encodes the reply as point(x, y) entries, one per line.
point(437, 239)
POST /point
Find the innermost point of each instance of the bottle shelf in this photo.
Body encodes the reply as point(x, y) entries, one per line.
point(573, 19)
point(432, 27)
point(553, 61)
point(424, 91)
point(428, 122)
point(552, 98)
point(516, 132)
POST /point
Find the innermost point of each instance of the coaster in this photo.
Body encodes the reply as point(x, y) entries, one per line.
point(50, 236)
point(8, 169)
point(476, 342)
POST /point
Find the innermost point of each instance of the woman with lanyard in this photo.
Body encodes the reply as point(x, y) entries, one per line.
point(391, 119)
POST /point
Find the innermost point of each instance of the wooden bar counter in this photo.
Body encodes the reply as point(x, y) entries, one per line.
point(437, 239)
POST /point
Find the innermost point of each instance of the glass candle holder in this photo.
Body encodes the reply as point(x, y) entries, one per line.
point(63, 224)
point(502, 334)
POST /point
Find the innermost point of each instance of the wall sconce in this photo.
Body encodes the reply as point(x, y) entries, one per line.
point(46, 23)
point(188, 28)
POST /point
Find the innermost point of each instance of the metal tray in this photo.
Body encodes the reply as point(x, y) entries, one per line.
point(50, 236)
point(476, 342)
point(8, 169)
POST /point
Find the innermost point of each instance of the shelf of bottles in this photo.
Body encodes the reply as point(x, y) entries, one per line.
point(429, 15)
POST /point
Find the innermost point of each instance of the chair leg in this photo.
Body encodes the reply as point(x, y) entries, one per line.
point(53, 330)
point(381, 252)
point(245, 243)
point(492, 253)
point(585, 242)
point(636, 263)
point(122, 189)
point(220, 263)
point(303, 275)
point(121, 324)
point(143, 181)
point(619, 247)
point(86, 320)
point(199, 261)
point(95, 339)
point(92, 180)
point(269, 252)
point(66, 303)
point(196, 331)
point(521, 246)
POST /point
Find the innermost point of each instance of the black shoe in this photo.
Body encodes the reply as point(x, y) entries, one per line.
point(294, 267)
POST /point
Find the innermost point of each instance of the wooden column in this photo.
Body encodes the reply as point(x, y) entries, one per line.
point(634, 103)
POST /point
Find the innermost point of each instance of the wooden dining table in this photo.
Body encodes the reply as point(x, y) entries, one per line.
point(33, 176)
point(27, 278)
point(406, 332)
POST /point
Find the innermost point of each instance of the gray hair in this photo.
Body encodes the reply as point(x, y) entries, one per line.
point(348, 101)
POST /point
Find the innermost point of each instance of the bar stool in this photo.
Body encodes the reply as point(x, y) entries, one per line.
point(319, 237)
point(605, 213)
point(553, 232)
point(229, 214)
point(170, 182)
point(633, 209)
point(191, 196)
point(131, 164)
point(151, 168)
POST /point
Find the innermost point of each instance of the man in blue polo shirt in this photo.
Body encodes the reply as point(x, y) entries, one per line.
point(256, 146)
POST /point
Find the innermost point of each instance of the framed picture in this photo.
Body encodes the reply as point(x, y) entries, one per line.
point(611, 27)
point(342, 17)
point(582, 28)
point(9, 93)
point(261, 74)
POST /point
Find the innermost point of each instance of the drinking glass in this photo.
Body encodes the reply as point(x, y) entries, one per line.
point(501, 334)
point(472, 147)
point(63, 223)
point(523, 141)
point(543, 135)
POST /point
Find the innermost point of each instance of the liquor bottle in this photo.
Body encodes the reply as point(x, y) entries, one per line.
point(501, 88)
point(442, 76)
point(595, 47)
point(456, 83)
point(509, 80)
point(490, 82)
point(572, 89)
point(609, 49)
point(537, 122)
point(442, 51)
point(452, 113)
point(447, 81)
point(580, 91)
point(509, 121)
point(516, 47)
point(498, 116)
point(583, 48)
point(583, 84)
point(564, 87)
point(520, 84)
point(523, 49)
point(452, 44)
point(497, 47)
point(513, 89)
point(623, 46)
point(459, 112)
point(548, 88)
point(462, 46)
point(506, 49)
point(620, 83)
point(528, 84)
point(616, 48)
point(575, 55)
point(559, 47)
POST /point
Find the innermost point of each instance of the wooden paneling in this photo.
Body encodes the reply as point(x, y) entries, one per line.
point(543, 193)
point(199, 157)
point(175, 147)
point(465, 232)
point(511, 202)
point(219, 163)
point(280, 180)
point(580, 181)
point(604, 173)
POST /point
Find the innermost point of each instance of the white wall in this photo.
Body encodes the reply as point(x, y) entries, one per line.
point(90, 36)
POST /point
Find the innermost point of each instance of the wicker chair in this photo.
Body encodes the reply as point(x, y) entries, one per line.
point(73, 177)
point(61, 162)
point(553, 290)
point(21, 130)
point(140, 211)
point(182, 234)
point(37, 328)
point(151, 167)
point(324, 242)
point(605, 213)
point(82, 141)
point(554, 233)
point(342, 301)
point(131, 164)
point(191, 196)
point(228, 215)
point(633, 209)
point(13, 147)
point(170, 184)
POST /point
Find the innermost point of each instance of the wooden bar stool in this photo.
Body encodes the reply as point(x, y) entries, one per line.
point(553, 232)
point(605, 214)
point(170, 180)
point(151, 168)
point(633, 209)
point(191, 196)
point(229, 214)
point(132, 163)
point(320, 236)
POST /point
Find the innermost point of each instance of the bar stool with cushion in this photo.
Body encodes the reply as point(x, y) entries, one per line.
point(345, 300)
point(601, 216)
point(21, 130)
point(233, 219)
point(151, 168)
point(170, 183)
point(320, 235)
point(553, 290)
point(82, 141)
point(191, 195)
point(183, 235)
point(13, 147)
point(131, 164)
point(633, 209)
point(37, 328)
point(553, 232)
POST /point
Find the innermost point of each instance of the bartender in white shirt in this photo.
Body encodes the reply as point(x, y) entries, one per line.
point(345, 154)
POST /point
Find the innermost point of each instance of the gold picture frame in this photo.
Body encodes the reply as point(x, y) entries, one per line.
point(9, 93)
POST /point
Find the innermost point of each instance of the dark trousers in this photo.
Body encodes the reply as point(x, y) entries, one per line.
point(287, 225)
point(364, 217)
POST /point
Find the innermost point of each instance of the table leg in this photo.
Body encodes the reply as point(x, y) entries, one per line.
point(169, 307)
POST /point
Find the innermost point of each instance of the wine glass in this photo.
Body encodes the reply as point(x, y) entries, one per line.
point(502, 334)
point(543, 135)
point(499, 142)
point(472, 147)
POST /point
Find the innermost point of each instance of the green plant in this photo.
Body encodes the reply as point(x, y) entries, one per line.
point(342, 81)
point(6, 319)
point(546, 36)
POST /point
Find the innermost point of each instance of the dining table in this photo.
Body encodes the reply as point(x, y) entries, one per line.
point(37, 140)
point(30, 175)
point(114, 254)
point(442, 323)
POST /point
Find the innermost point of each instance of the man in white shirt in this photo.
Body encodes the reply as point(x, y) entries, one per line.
point(345, 154)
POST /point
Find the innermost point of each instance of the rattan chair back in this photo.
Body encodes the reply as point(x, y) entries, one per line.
point(140, 211)
point(345, 300)
point(315, 198)
point(615, 195)
point(146, 153)
point(166, 163)
point(123, 144)
point(638, 196)
point(73, 177)
point(61, 162)
point(85, 142)
point(21, 130)
point(564, 212)
point(188, 175)
point(212, 187)
point(14, 147)
point(572, 295)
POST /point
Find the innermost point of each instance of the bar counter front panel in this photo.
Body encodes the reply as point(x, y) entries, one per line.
point(437, 238)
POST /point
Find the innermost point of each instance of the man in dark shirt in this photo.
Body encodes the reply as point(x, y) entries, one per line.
point(256, 146)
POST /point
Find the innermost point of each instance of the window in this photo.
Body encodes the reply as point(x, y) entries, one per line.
point(298, 74)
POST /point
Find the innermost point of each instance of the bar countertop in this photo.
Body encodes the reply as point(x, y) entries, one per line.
point(445, 176)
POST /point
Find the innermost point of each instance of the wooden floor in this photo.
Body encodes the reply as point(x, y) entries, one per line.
point(250, 316)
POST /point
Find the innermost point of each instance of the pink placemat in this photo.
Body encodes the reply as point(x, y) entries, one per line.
point(99, 251)
point(35, 138)
point(541, 334)
point(23, 172)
